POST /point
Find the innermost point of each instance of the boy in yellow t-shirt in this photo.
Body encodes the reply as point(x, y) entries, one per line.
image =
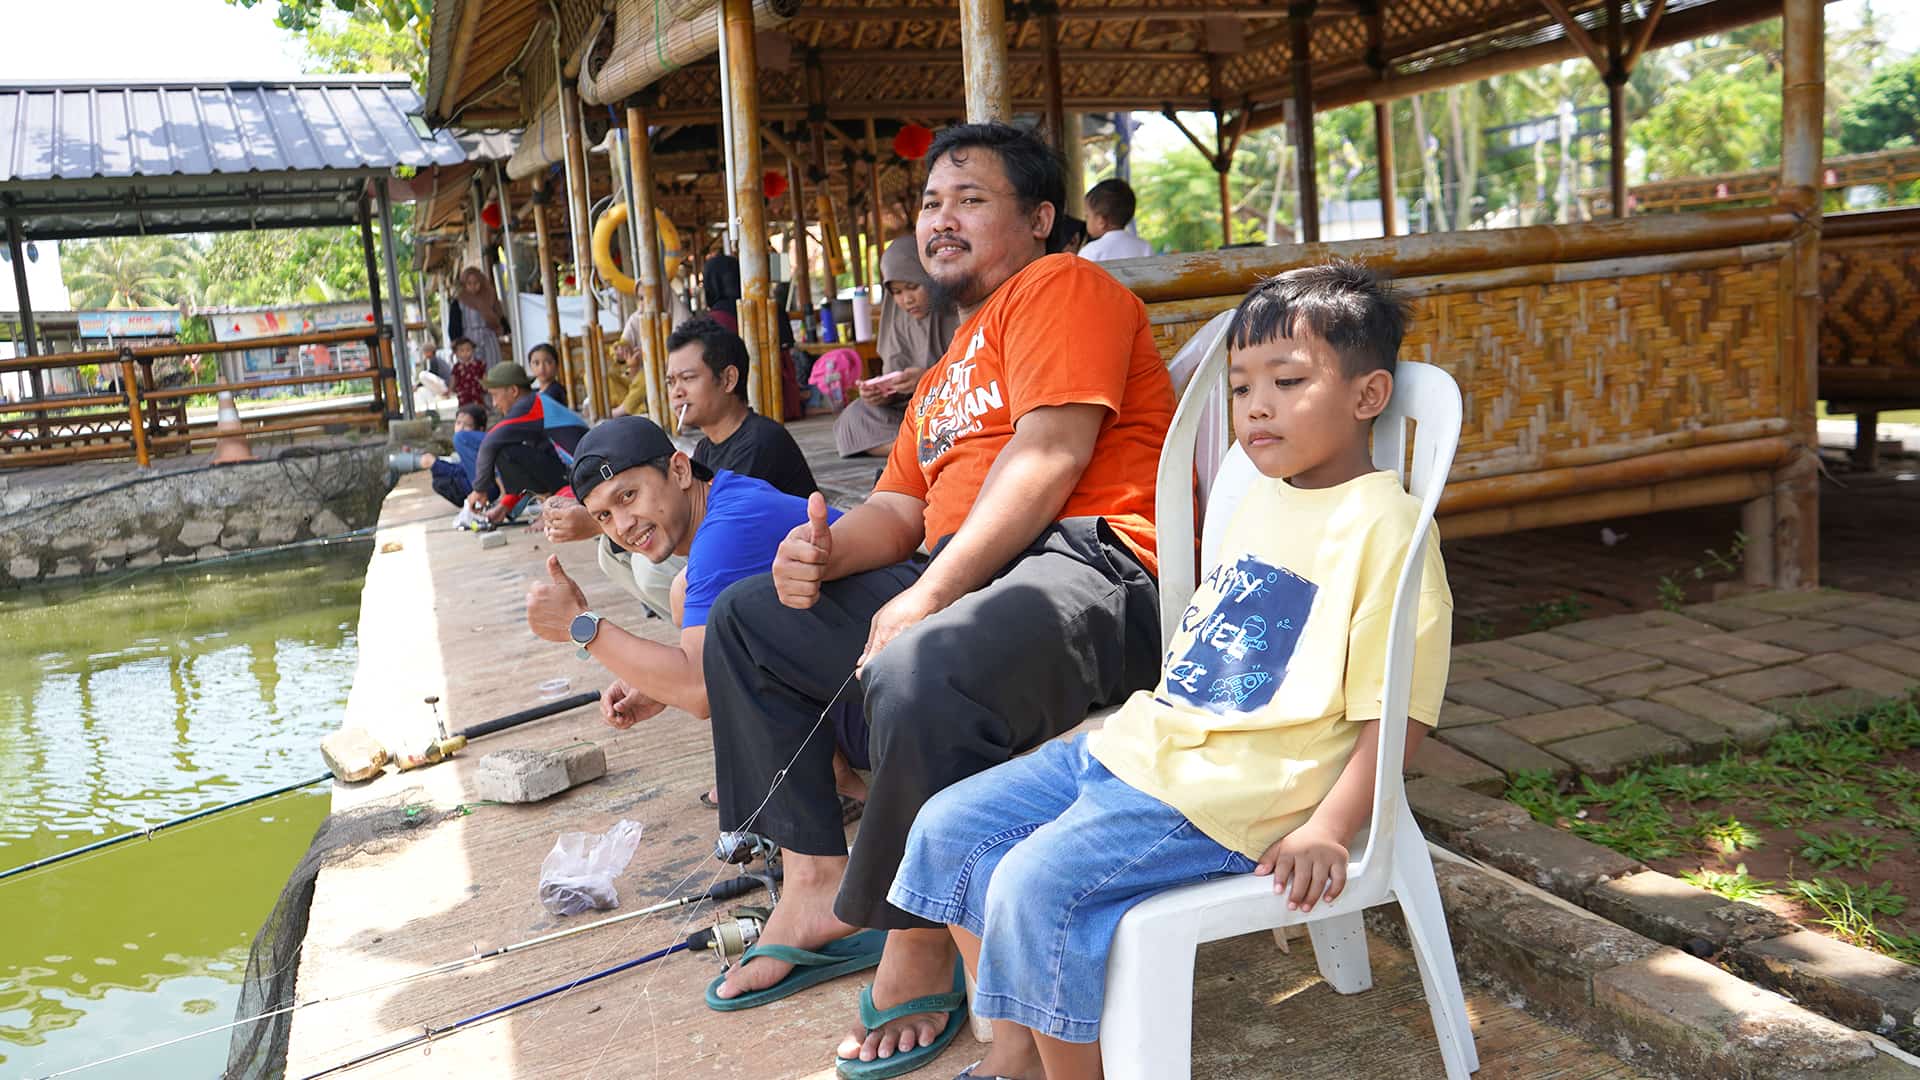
point(1256, 751)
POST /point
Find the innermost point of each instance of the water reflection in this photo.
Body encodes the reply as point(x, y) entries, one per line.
point(128, 704)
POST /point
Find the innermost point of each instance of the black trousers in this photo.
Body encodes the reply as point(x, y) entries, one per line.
point(535, 469)
point(1070, 625)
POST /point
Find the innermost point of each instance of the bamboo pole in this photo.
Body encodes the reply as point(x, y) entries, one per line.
point(873, 200)
point(802, 266)
point(756, 323)
point(1056, 113)
point(579, 211)
point(1487, 493)
point(1615, 76)
point(1382, 122)
point(1508, 464)
point(1796, 492)
point(159, 352)
point(24, 297)
point(1300, 65)
point(1608, 505)
point(983, 48)
point(550, 283)
point(134, 420)
point(654, 322)
point(1206, 274)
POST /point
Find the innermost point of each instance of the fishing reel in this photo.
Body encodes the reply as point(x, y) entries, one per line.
point(746, 848)
point(730, 938)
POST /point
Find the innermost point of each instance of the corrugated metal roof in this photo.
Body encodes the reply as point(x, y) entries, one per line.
point(84, 132)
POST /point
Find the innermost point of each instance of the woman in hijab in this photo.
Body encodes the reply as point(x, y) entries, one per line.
point(915, 327)
point(721, 280)
point(475, 315)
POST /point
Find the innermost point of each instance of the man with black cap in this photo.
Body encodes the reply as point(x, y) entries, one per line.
point(656, 502)
point(521, 452)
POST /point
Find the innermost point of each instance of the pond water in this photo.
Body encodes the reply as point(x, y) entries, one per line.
point(126, 704)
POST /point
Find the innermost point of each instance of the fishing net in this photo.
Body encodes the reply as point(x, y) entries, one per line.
point(259, 1050)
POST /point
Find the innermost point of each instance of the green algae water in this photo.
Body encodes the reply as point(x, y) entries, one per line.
point(128, 703)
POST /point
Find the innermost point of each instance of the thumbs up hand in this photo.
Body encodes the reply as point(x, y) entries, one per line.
point(800, 564)
point(552, 604)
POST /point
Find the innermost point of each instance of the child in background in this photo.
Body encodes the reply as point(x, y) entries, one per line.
point(453, 479)
point(467, 375)
point(1256, 752)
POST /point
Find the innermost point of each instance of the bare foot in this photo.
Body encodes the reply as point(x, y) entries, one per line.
point(1012, 1054)
point(803, 918)
point(916, 963)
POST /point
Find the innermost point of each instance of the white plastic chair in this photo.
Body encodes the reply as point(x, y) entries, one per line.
point(1146, 1030)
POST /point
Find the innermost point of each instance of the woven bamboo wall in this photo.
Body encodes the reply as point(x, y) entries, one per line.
point(1870, 307)
point(1569, 365)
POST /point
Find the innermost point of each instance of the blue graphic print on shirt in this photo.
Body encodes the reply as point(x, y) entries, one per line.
point(1241, 647)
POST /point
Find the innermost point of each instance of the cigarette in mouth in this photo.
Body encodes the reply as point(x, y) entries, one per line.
point(681, 417)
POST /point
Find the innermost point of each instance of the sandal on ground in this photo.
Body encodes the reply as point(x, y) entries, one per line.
point(954, 1004)
point(968, 1074)
point(708, 803)
point(851, 809)
point(811, 967)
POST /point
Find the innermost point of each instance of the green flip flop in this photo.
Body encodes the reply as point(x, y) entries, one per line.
point(857, 952)
point(953, 1004)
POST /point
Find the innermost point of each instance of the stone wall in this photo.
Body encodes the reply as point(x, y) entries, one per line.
point(79, 520)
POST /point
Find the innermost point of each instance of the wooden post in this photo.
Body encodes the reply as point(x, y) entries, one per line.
point(654, 322)
point(831, 259)
point(1383, 124)
point(397, 316)
point(1075, 153)
point(1866, 440)
point(1616, 79)
point(858, 238)
point(516, 334)
point(1300, 66)
point(873, 200)
point(756, 323)
point(131, 386)
point(28, 332)
point(1056, 112)
point(983, 53)
point(1796, 496)
point(802, 269)
point(1222, 158)
point(549, 274)
point(579, 209)
point(373, 263)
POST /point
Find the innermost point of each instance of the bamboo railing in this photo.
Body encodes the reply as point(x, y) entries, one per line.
point(1608, 369)
point(141, 418)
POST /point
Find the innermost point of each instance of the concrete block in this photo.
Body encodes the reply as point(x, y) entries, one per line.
point(23, 568)
point(1456, 714)
point(1443, 763)
point(1751, 727)
point(1558, 645)
point(1605, 754)
point(524, 776)
point(1878, 620)
point(201, 531)
point(1675, 913)
point(1641, 683)
point(1730, 615)
point(1446, 811)
point(1800, 602)
point(1707, 738)
point(1819, 710)
point(353, 755)
point(1595, 668)
point(1857, 987)
point(1564, 724)
point(1506, 654)
point(1852, 672)
point(65, 568)
point(1758, 653)
point(1890, 655)
point(1502, 749)
point(1494, 698)
point(1700, 1021)
point(1705, 661)
point(491, 540)
point(1812, 635)
point(1561, 695)
point(1769, 683)
point(326, 523)
point(1556, 861)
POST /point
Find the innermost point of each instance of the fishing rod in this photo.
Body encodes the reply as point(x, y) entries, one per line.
point(430, 1033)
point(725, 890)
point(151, 830)
point(489, 727)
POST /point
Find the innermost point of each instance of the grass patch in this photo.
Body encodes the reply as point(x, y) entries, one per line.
point(1828, 815)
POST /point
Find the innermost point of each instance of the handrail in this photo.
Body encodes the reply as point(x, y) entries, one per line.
point(172, 349)
point(201, 389)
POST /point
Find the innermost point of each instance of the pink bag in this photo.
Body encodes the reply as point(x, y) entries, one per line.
point(835, 375)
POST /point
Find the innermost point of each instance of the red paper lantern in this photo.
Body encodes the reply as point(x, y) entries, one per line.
point(570, 281)
point(773, 184)
point(490, 214)
point(911, 142)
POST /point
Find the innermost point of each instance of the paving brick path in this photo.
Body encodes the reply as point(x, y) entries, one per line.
point(1598, 696)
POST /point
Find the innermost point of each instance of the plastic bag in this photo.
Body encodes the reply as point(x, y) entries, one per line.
point(577, 875)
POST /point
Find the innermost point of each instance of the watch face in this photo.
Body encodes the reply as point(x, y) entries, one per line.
point(582, 628)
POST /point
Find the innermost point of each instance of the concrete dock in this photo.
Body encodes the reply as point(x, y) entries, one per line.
point(444, 617)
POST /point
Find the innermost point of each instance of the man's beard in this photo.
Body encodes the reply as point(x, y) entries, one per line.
point(941, 297)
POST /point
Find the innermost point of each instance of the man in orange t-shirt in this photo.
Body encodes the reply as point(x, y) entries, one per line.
point(1026, 466)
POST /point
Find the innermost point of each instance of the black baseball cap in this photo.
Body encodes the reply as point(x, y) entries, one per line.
point(617, 445)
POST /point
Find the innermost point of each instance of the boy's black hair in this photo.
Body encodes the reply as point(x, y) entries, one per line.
point(475, 412)
point(459, 341)
point(1113, 200)
point(545, 348)
point(1343, 303)
point(1071, 230)
point(720, 347)
point(1032, 167)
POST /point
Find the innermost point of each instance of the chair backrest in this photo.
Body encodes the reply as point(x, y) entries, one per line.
point(1416, 437)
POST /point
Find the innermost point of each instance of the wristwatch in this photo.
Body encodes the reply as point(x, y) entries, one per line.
point(583, 629)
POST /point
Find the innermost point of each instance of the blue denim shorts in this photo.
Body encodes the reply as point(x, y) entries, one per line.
point(1039, 858)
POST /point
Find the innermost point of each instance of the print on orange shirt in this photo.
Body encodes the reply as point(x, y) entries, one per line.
point(951, 409)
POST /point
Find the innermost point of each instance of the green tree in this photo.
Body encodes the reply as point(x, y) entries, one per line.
point(364, 43)
point(297, 266)
point(411, 18)
point(1886, 113)
point(127, 271)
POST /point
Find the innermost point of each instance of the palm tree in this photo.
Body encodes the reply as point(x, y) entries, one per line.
point(127, 271)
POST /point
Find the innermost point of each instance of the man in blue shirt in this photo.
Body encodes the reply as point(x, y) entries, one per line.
point(656, 502)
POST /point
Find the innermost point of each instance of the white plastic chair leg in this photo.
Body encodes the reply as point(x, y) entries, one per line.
point(1146, 1028)
point(982, 1027)
point(1419, 894)
point(1340, 948)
